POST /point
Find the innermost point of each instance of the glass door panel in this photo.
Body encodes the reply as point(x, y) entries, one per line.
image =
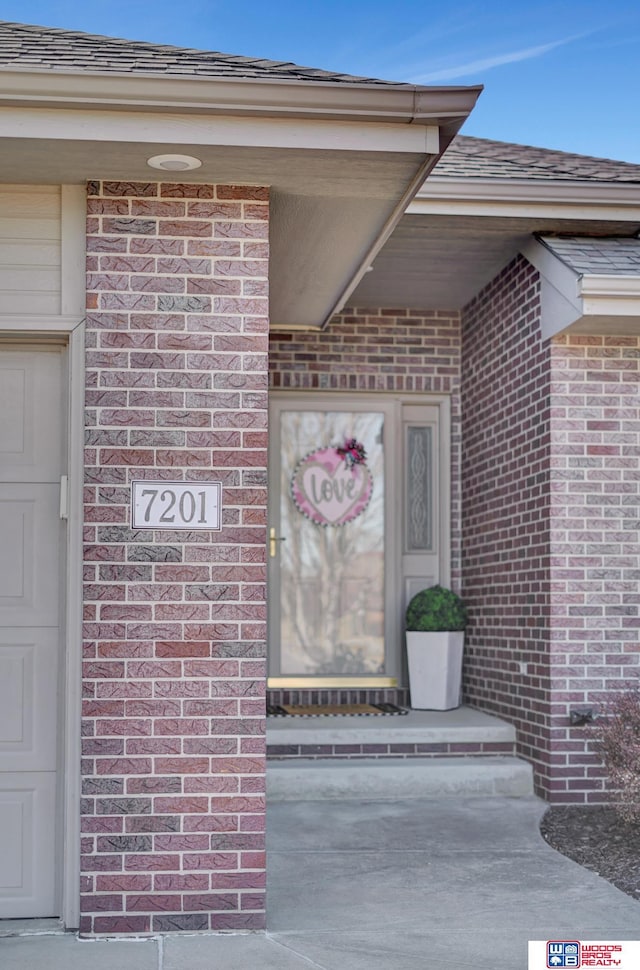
point(327, 545)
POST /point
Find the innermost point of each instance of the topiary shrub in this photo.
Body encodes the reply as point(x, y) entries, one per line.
point(436, 610)
point(617, 735)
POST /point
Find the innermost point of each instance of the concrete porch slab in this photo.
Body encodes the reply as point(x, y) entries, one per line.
point(390, 778)
point(462, 725)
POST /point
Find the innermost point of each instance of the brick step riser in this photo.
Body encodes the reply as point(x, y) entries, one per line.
point(442, 750)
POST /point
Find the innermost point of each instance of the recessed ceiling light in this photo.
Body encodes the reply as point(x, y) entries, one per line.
point(174, 163)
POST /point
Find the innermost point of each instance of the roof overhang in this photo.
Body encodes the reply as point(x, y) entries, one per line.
point(270, 97)
point(587, 303)
point(343, 160)
point(458, 234)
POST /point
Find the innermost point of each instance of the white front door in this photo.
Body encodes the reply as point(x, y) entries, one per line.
point(352, 537)
point(31, 439)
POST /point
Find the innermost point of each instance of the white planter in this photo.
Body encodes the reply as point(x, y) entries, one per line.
point(435, 669)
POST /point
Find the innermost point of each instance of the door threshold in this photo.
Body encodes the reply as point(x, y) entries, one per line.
point(31, 927)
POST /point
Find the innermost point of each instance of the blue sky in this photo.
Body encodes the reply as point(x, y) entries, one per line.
point(560, 74)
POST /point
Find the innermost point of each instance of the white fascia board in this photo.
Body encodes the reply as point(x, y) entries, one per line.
point(402, 103)
point(560, 306)
point(557, 313)
point(553, 270)
point(528, 198)
point(68, 124)
point(582, 302)
point(610, 295)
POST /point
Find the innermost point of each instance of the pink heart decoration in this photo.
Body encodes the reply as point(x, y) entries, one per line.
point(327, 491)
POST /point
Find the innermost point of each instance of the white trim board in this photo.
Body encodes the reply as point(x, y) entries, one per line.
point(68, 327)
point(586, 303)
point(556, 199)
point(140, 127)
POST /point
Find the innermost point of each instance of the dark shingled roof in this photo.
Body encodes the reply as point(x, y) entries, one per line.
point(602, 257)
point(27, 47)
point(481, 158)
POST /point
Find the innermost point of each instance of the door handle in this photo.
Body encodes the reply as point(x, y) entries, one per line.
point(273, 543)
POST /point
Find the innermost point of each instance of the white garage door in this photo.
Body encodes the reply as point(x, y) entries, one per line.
point(30, 586)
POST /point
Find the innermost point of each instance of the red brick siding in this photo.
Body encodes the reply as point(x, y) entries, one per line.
point(550, 470)
point(369, 350)
point(174, 653)
point(595, 544)
point(505, 500)
point(444, 749)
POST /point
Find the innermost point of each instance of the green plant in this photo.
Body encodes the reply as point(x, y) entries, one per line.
point(436, 610)
point(618, 742)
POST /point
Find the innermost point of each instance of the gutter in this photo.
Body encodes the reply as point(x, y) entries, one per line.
point(525, 197)
point(620, 294)
point(447, 107)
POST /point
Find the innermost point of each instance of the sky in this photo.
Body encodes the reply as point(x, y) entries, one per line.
point(560, 74)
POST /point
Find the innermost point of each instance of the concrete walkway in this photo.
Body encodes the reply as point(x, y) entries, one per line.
point(453, 884)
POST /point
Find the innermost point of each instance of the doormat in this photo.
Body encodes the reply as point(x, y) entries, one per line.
point(333, 710)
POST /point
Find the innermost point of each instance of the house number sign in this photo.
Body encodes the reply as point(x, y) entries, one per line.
point(176, 505)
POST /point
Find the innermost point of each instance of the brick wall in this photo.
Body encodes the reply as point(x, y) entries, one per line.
point(595, 510)
point(505, 496)
point(174, 668)
point(368, 350)
point(550, 469)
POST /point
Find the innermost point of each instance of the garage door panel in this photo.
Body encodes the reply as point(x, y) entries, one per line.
point(29, 566)
point(28, 699)
point(30, 416)
point(27, 844)
point(31, 461)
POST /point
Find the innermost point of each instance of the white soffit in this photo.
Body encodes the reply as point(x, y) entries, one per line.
point(342, 160)
point(457, 234)
point(589, 303)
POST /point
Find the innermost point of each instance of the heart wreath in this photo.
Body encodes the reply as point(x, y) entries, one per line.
point(332, 486)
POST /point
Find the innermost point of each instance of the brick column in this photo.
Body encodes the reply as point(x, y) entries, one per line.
point(506, 474)
point(174, 655)
point(595, 511)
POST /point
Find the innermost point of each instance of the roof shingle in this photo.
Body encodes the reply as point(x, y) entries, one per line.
point(482, 158)
point(589, 256)
point(29, 47)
